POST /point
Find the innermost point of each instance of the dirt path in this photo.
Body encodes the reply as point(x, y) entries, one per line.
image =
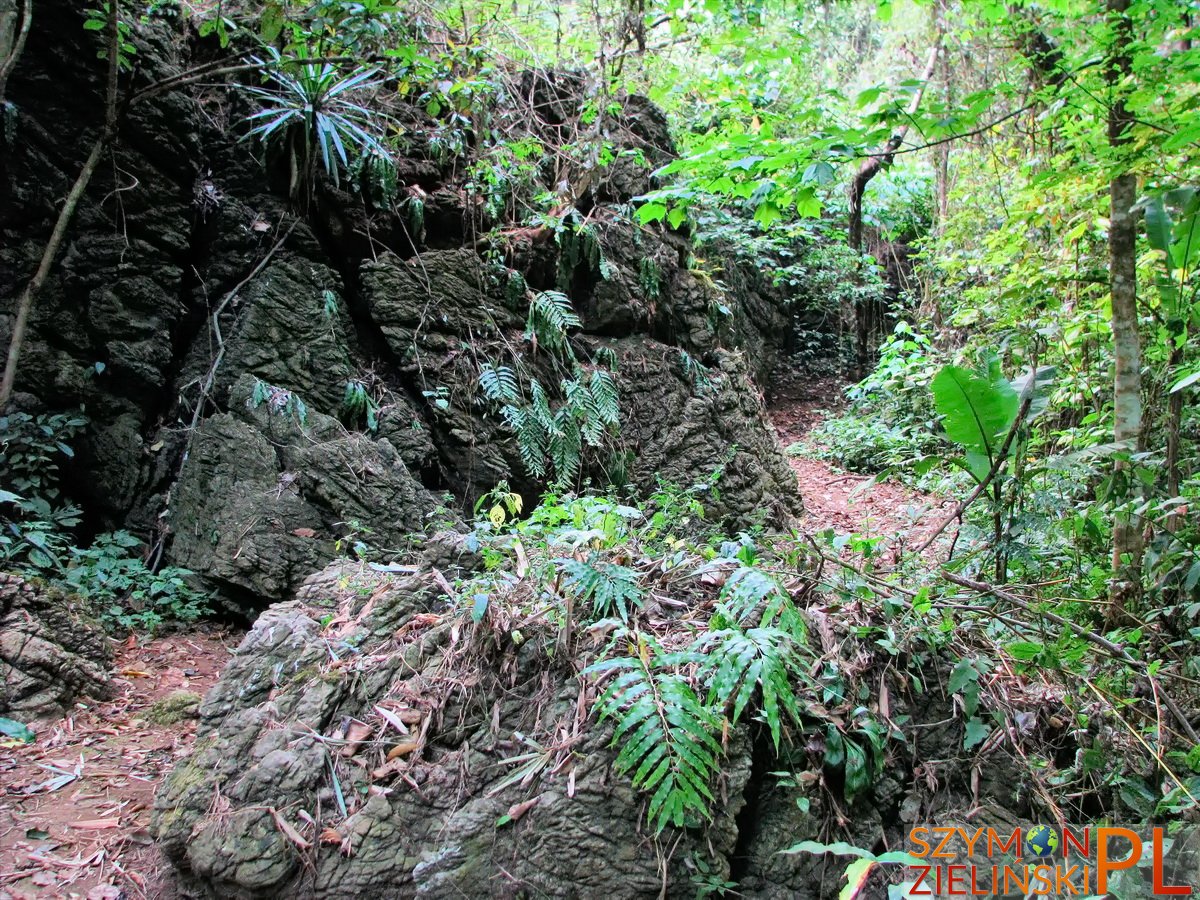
point(75, 804)
point(845, 502)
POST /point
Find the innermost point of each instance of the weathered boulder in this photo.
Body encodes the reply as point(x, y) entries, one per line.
point(266, 491)
point(704, 427)
point(365, 740)
point(446, 314)
point(51, 650)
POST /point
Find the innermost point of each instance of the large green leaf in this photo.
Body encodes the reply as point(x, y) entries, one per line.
point(977, 411)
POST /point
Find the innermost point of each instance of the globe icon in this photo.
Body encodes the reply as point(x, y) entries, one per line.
point(1041, 840)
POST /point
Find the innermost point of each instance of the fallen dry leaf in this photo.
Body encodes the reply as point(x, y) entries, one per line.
point(96, 824)
point(304, 533)
point(355, 735)
point(402, 750)
point(289, 832)
point(519, 809)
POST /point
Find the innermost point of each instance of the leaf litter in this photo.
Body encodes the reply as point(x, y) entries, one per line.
point(75, 802)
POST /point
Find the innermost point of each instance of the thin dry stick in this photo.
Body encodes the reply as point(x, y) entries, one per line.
point(67, 213)
point(18, 47)
point(1078, 630)
point(211, 376)
point(1001, 456)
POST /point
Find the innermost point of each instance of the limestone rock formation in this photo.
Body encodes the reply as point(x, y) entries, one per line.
point(365, 692)
point(51, 650)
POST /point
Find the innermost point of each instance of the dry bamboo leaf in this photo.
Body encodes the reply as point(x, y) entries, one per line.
point(97, 824)
point(402, 750)
point(289, 832)
point(355, 735)
point(392, 719)
point(519, 809)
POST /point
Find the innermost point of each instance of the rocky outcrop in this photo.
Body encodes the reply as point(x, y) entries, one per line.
point(51, 650)
point(432, 762)
point(187, 283)
point(267, 487)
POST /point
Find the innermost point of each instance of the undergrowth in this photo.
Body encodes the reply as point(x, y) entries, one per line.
point(38, 535)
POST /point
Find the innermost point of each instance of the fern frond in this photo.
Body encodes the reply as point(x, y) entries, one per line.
point(605, 399)
point(610, 587)
point(550, 316)
point(736, 662)
point(666, 733)
point(566, 445)
point(499, 384)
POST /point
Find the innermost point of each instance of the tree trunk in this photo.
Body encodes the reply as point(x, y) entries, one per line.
point(12, 38)
point(1125, 586)
point(864, 313)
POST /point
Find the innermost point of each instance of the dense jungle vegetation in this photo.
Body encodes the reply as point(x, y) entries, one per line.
point(981, 218)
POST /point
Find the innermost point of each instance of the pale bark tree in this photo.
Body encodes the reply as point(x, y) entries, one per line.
point(14, 28)
point(1122, 262)
point(67, 213)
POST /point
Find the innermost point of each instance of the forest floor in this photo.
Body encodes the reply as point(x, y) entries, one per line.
point(75, 804)
point(846, 502)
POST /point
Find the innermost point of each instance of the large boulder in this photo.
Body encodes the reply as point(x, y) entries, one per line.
point(269, 488)
point(51, 650)
point(366, 740)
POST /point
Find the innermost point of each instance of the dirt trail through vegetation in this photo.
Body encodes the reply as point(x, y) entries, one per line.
point(845, 502)
point(75, 804)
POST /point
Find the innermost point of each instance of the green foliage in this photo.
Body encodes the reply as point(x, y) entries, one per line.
point(127, 594)
point(612, 589)
point(551, 315)
point(359, 406)
point(551, 440)
point(311, 103)
point(35, 524)
point(98, 20)
point(665, 732)
point(279, 402)
point(37, 536)
point(978, 410)
point(738, 663)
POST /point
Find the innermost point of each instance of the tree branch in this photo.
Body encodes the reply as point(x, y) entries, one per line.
point(18, 47)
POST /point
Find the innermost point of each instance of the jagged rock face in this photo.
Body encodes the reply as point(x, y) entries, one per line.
point(273, 738)
point(184, 226)
point(51, 650)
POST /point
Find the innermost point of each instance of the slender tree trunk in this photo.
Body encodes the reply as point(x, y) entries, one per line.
point(66, 214)
point(1122, 267)
point(12, 38)
point(864, 313)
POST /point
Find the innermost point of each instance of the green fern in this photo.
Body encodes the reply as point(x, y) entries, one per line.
point(606, 403)
point(610, 588)
point(550, 317)
point(552, 440)
point(745, 591)
point(499, 384)
point(666, 735)
point(736, 662)
point(358, 404)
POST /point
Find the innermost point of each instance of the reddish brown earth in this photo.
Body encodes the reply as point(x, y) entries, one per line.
point(848, 503)
point(75, 804)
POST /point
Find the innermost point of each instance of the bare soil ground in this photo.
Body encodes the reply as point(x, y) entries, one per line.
point(846, 502)
point(75, 804)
